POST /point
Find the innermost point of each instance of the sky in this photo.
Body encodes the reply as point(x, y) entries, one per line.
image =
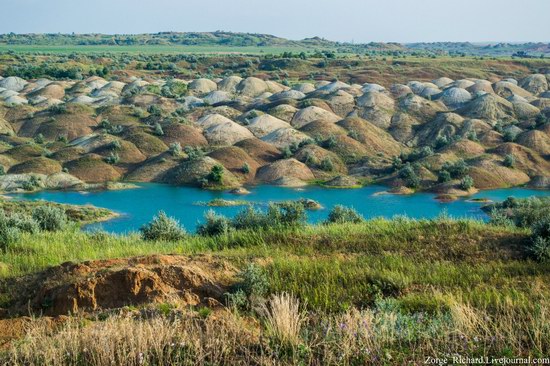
point(339, 20)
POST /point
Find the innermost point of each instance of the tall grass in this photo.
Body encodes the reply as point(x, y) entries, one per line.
point(381, 335)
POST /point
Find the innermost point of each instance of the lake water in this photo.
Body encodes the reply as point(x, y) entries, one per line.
point(138, 206)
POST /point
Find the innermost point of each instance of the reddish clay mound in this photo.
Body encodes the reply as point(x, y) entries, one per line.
point(115, 283)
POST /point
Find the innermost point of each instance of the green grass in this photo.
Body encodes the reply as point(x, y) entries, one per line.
point(335, 267)
point(421, 279)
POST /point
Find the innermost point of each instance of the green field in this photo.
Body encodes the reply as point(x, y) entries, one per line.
point(169, 49)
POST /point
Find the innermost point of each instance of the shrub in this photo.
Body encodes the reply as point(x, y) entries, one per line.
point(499, 218)
point(441, 141)
point(286, 152)
point(154, 110)
point(39, 139)
point(158, 130)
point(105, 124)
point(193, 153)
point(112, 158)
point(458, 169)
point(50, 218)
point(164, 228)
point(330, 142)
point(286, 214)
point(523, 212)
point(115, 145)
point(409, 176)
point(216, 174)
point(540, 239)
point(444, 176)
point(253, 281)
point(2, 170)
point(8, 235)
point(466, 183)
point(214, 225)
point(23, 222)
point(509, 161)
point(175, 149)
point(327, 165)
point(246, 168)
point(249, 218)
point(509, 136)
point(396, 163)
point(341, 214)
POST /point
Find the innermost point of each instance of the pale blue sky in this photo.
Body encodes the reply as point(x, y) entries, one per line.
point(342, 20)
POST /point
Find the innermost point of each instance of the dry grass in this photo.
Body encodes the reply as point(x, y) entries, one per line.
point(283, 318)
point(382, 335)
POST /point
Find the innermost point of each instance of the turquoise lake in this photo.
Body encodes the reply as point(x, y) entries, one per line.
point(138, 206)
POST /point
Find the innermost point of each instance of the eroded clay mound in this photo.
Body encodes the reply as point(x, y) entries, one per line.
point(109, 284)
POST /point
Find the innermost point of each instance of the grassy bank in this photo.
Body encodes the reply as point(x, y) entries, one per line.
point(381, 291)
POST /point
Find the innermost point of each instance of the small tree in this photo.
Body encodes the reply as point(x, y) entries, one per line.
point(163, 228)
point(246, 168)
point(216, 174)
point(467, 183)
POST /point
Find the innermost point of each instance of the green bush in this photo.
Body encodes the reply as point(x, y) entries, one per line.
point(409, 176)
point(254, 281)
point(214, 225)
point(467, 183)
point(444, 176)
point(8, 235)
point(50, 218)
point(540, 239)
point(286, 214)
point(216, 174)
point(193, 153)
point(12, 226)
point(523, 212)
point(458, 169)
point(327, 165)
point(175, 149)
point(158, 130)
point(509, 161)
point(499, 218)
point(23, 222)
point(341, 214)
point(112, 159)
point(249, 218)
point(164, 228)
